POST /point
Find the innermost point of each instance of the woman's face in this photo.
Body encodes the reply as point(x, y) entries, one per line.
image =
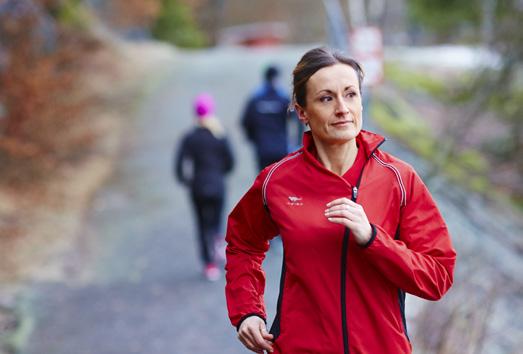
point(333, 104)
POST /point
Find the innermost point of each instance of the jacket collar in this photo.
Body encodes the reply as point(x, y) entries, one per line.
point(369, 141)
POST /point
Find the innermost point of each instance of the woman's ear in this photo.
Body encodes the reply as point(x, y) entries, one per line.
point(302, 115)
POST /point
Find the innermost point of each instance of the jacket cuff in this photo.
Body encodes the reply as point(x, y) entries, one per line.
point(373, 234)
point(247, 316)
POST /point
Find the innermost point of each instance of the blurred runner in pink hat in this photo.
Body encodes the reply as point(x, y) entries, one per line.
point(204, 158)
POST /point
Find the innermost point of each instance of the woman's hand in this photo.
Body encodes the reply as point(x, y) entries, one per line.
point(350, 214)
point(253, 334)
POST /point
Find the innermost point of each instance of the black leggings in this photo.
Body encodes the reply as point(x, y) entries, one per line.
point(208, 216)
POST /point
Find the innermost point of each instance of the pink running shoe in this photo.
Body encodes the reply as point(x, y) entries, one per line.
point(212, 272)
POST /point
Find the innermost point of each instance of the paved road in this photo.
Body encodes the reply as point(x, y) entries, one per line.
point(138, 288)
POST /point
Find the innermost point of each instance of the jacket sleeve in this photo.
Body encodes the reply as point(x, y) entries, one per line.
point(420, 260)
point(182, 155)
point(249, 229)
point(247, 120)
point(228, 156)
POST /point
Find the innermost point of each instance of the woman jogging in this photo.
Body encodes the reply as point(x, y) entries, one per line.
point(359, 230)
point(204, 158)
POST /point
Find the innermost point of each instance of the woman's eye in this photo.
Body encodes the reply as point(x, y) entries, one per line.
point(325, 98)
point(351, 94)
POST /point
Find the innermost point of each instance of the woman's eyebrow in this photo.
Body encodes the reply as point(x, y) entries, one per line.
point(350, 87)
point(324, 90)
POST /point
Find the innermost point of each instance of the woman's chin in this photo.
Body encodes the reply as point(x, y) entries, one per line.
point(345, 135)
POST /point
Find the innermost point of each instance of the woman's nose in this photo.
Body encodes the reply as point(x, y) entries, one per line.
point(341, 106)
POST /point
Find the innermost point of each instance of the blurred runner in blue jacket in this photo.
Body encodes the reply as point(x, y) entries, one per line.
point(265, 120)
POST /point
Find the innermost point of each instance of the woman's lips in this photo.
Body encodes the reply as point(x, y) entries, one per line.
point(345, 122)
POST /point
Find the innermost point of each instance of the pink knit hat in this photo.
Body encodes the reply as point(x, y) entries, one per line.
point(203, 105)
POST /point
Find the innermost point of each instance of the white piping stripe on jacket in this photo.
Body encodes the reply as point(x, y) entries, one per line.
point(269, 175)
point(398, 177)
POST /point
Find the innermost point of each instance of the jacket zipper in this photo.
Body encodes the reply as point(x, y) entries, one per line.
point(344, 292)
point(344, 257)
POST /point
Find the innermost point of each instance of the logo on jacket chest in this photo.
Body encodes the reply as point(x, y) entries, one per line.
point(294, 200)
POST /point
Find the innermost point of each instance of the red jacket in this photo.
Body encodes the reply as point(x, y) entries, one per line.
point(336, 296)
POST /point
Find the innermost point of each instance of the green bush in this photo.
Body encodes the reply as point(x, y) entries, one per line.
point(446, 18)
point(71, 13)
point(479, 184)
point(415, 81)
point(472, 161)
point(176, 25)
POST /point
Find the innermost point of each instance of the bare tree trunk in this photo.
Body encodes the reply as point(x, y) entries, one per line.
point(487, 23)
point(218, 8)
point(337, 25)
point(376, 11)
point(357, 13)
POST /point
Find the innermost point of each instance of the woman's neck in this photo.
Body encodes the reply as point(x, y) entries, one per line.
point(337, 158)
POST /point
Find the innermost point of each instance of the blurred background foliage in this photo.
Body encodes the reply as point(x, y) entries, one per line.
point(175, 24)
point(488, 95)
point(467, 122)
point(52, 38)
point(448, 19)
point(70, 13)
point(44, 51)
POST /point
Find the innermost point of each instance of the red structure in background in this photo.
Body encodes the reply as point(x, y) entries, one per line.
point(255, 34)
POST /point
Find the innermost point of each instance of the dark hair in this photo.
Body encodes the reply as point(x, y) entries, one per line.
point(314, 60)
point(271, 73)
